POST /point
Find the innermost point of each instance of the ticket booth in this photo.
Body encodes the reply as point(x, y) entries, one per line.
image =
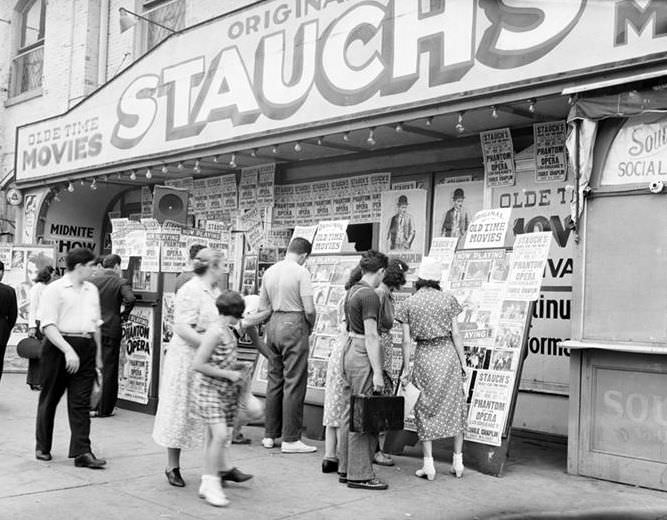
point(618, 367)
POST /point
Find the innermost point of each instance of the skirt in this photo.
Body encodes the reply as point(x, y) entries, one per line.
point(440, 411)
point(334, 401)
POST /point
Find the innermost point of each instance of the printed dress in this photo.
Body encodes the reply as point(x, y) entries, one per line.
point(334, 400)
point(176, 425)
point(440, 411)
point(217, 399)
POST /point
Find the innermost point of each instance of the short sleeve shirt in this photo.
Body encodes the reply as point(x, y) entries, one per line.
point(363, 303)
point(429, 313)
point(195, 305)
point(284, 287)
point(71, 309)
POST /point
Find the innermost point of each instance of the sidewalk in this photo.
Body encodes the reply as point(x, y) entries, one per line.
point(285, 486)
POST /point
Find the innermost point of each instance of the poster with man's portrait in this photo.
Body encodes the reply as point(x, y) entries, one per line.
point(403, 224)
point(454, 206)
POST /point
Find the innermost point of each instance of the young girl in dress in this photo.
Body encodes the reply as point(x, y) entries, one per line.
point(218, 380)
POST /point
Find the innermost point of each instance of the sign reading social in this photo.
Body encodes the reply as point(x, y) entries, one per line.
point(282, 64)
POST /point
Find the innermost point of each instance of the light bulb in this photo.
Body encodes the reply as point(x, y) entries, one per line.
point(531, 106)
point(232, 161)
point(494, 112)
point(196, 167)
point(179, 165)
point(274, 149)
point(399, 127)
point(346, 136)
point(215, 158)
point(120, 175)
point(133, 176)
point(149, 175)
point(253, 152)
point(459, 125)
point(298, 147)
point(429, 121)
point(70, 187)
point(93, 185)
point(320, 141)
point(165, 169)
point(371, 137)
point(83, 183)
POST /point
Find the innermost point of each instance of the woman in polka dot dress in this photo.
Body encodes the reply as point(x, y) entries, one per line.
point(429, 318)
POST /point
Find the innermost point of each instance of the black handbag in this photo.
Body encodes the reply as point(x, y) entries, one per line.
point(376, 413)
point(30, 348)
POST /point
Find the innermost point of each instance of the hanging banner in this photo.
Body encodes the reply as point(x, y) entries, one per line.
point(146, 201)
point(403, 224)
point(488, 229)
point(307, 232)
point(330, 237)
point(265, 184)
point(248, 188)
point(550, 151)
point(229, 192)
point(498, 153)
point(529, 259)
point(150, 256)
point(171, 251)
point(443, 249)
point(135, 365)
point(251, 223)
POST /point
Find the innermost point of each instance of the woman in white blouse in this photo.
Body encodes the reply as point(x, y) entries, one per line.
point(44, 276)
point(176, 425)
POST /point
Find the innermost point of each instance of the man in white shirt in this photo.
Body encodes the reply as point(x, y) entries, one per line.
point(70, 318)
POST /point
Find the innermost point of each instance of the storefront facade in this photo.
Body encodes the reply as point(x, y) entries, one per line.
point(330, 90)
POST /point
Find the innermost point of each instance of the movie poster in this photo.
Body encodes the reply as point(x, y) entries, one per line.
point(454, 206)
point(134, 373)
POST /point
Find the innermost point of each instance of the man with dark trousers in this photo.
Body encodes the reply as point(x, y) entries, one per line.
point(287, 296)
point(8, 314)
point(114, 293)
point(70, 319)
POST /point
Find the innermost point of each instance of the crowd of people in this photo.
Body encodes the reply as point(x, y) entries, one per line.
point(204, 396)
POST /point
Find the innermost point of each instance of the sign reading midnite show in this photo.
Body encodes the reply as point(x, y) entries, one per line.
point(287, 63)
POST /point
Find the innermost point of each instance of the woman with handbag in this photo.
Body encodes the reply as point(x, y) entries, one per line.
point(176, 426)
point(429, 318)
point(44, 276)
point(394, 279)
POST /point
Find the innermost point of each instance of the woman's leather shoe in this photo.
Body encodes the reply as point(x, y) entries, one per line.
point(374, 483)
point(174, 477)
point(235, 475)
point(329, 466)
point(88, 460)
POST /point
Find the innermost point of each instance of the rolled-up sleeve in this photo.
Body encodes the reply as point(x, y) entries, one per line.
point(47, 309)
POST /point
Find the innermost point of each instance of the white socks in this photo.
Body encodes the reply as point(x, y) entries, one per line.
point(428, 469)
point(211, 490)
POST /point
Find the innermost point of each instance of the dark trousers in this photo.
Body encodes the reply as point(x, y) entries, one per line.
point(356, 450)
point(3, 347)
point(287, 341)
point(34, 376)
point(55, 380)
point(110, 355)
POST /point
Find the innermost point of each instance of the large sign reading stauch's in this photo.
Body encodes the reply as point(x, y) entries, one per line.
point(285, 63)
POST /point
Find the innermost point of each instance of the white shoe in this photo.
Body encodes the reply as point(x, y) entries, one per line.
point(297, 447)
point(268, 443)
point(427, 471)
point(210, 489)
point(457, 465)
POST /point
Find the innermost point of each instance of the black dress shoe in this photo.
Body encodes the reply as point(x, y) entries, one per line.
point(329, 466)
point(88, 460)
point(42, 455)
point(235, 475)
point(374, 483)
point(174, 477)
point(342, 478)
